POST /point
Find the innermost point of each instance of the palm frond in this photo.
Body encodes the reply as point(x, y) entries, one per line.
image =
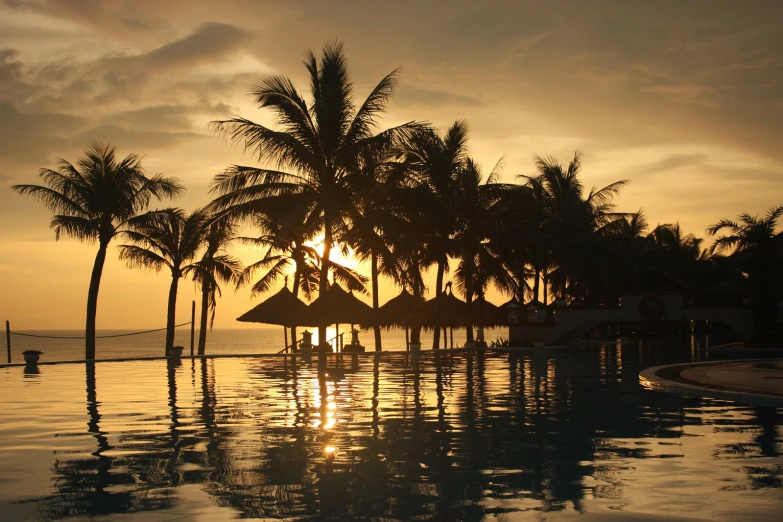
point(268, 280)
point(75, 226)
point(138, 257)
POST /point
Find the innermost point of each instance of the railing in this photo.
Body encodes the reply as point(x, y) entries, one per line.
point(339, 344)
point(292, 346)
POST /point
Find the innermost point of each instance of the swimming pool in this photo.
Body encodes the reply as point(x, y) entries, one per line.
point(567, 435)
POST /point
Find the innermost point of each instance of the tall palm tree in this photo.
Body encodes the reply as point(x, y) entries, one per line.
point(167, 239)
point(517, 237)
point(95, 199)
point(214, 267)
point(477, 206)
point(377, 220)
point(757, 249)
point(316, 147)
point(573, 224)
point(435, 161)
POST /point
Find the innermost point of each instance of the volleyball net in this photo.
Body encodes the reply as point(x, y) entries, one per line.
point(111, 344)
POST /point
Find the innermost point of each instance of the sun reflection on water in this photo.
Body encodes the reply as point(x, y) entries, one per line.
point(439, 436)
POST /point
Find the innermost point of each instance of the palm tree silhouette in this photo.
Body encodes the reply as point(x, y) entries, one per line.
point(377, 220)
point(754, 241)
point(476, 205)
point(95, 199)
point(214, 267)
point(571, 226)
point(167, 239)
point(435, 160)
point(316, 148)
point(286, 248)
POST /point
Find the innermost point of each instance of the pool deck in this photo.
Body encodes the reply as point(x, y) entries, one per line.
point(758, 381)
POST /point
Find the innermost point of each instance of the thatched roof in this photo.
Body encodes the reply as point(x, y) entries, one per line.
point(282, 308)
point(340, 307)
point(488, 314)
point(448, 310)
point(403, 310)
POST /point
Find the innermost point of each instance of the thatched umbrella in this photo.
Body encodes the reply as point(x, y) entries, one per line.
point(339, 307)
point(454, 313)
point(283, 309)
point(405, 310)
point(486, 314)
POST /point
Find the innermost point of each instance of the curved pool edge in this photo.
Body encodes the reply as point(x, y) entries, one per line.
point(669, 378)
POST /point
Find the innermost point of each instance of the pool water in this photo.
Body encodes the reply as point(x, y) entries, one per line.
point(565, 435)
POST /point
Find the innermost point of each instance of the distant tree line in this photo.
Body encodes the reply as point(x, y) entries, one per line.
point(404, 199)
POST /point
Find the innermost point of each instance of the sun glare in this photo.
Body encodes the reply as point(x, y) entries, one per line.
point(336, 253)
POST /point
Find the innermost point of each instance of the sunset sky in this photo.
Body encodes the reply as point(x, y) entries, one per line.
point(685, 99)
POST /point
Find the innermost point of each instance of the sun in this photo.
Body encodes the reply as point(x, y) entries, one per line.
point(336, 254)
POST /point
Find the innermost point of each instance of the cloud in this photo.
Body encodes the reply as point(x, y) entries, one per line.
point(208, 42)
point(673, 162)
point(35, 136)
point(138, 140)
point(409, 95)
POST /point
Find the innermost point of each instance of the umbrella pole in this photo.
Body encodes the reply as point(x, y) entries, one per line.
point(407, 340)
point(336, 337)
point(445, 339)
point(451, 334)
point(285, 336)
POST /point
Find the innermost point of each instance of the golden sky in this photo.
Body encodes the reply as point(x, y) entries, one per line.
point(685, 99)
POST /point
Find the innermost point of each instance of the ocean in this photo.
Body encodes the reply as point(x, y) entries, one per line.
point(68, 345)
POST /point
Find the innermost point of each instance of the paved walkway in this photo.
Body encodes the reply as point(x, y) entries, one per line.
point(754, 380)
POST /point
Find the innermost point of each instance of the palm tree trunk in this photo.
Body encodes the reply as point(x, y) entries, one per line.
point(202, 332)
point(438, 292)
point(323, 284)
point(481, 319)
point(546, 282)
point(92, 301)
point(535, 284)
point(295, 291)
point(172, 312)
point(376, 323)
point(415, 331)
point(469, 301)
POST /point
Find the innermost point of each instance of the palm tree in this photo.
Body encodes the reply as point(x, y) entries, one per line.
point(167, 239)
point(517, 237)
point(316, 147)
point(627, 243)
point(94, 200)
point(377, 220)
point(476, 206)
point(572, 225)
point(214, 267)
point(754, 242)
point(286, 248)
point(435, 160)
point(673, 248)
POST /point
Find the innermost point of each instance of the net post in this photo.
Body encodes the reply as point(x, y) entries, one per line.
point(8, 339)
point(192, 326)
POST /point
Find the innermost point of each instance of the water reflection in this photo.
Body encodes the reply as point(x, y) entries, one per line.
point(31, 371)
point(430, 435)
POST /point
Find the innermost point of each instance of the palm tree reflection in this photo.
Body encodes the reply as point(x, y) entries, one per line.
point(439, 435)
